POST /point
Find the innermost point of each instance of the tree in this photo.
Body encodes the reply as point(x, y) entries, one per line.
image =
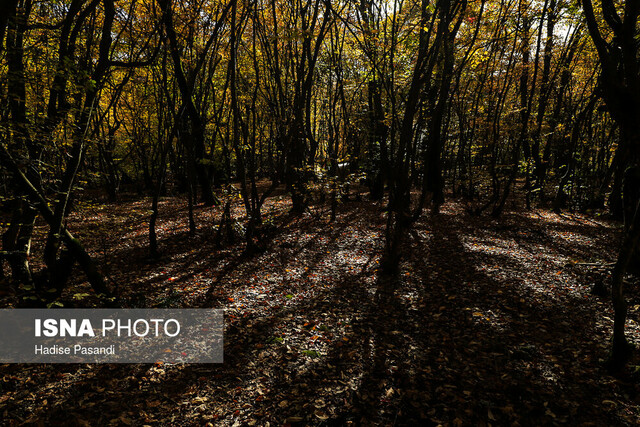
point(615, 40)
point(29, 141)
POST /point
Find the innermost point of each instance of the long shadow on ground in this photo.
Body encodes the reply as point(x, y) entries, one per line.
point(484, 324)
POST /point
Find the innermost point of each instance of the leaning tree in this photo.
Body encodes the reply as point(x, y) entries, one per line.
point(615, 38)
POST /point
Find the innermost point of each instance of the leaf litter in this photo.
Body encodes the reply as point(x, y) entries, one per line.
point(489, 322)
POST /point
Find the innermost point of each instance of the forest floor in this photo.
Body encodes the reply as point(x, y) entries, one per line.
point(489, 322)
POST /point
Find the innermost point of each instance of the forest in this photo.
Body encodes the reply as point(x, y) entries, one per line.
point(412, 212)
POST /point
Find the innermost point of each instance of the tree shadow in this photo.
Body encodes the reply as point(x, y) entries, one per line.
point(451, 340)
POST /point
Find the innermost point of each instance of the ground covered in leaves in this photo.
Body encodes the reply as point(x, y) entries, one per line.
point(489, 322)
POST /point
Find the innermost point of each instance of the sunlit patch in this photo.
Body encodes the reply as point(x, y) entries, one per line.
point(491, 246)
point(536, 266)
point(493, 317)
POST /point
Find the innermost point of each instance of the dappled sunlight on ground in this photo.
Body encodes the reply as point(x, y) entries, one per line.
point(488, 321)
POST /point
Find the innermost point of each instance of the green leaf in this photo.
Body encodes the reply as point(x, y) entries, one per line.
point(55, 304)
point(80, 295)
